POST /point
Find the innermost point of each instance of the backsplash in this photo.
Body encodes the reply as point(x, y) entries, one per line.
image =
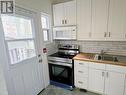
point(97, 46)
point(51, 48)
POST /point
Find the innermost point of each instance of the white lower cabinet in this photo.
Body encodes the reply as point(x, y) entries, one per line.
point(125, 88)
point(96, 81)
point(100, 78)
point(114, 83)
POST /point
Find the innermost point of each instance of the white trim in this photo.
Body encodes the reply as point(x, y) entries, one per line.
point(50, 28)
point(27, 39)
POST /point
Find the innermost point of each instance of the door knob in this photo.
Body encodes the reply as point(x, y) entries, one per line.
point(39, 55)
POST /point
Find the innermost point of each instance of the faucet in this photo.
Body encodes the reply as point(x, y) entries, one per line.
point(104, 51)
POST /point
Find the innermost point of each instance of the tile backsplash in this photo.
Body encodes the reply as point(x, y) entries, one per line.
point(97, 46)
point(51, 48)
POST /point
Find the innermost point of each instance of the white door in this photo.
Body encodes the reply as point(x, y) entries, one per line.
point(96, 80)
point(114, 84)
point(58, 13)
point(70, 13)
point(99, 19)
point(25, 73)
point(117, 22)
point(83, 19)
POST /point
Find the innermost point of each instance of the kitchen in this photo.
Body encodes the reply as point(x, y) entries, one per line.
point(54, 47)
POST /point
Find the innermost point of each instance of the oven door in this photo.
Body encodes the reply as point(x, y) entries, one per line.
point(61, 74)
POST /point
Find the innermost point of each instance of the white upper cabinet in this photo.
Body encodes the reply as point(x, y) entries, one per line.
point(65, 13)
point(99, 18)
point(83, 19)
point(102, 20)
point(114, 83)
point(117, 20)
point(58, 14)
point(70, 13)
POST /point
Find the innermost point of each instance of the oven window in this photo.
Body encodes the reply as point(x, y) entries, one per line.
point(60, 71)
point(62, 74)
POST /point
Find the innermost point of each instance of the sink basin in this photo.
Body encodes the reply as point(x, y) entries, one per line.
point(114, 58)
point(110, 58)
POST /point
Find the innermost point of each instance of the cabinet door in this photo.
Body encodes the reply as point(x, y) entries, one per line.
point(114, 83)
point(70, 13)
point(96, 80)
point(125, 88)
point(84, 19)
point(99, 18)
point(58, 14)
point(117, 20)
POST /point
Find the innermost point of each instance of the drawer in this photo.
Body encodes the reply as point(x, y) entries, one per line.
point(116, 68)
point(80, 63)
point(81, 83)
point(82, 72)
point(97, 66)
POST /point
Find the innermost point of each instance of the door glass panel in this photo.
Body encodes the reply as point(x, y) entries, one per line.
point(21, 50)
point(16, 27)
point(19, 37)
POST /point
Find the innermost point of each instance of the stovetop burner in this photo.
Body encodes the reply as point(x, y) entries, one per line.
point(62, 55)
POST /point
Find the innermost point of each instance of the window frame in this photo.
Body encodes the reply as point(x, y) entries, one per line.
point(48, 29)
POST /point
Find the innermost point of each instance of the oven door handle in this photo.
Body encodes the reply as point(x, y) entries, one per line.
point(61, 64)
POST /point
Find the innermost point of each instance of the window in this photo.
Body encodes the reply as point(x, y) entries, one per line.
point(45, 20)
point(19, 37)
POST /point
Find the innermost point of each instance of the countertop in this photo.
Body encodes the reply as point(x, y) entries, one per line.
point(90, 58)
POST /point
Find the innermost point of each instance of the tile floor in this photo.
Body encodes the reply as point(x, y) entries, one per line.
point(53, 90)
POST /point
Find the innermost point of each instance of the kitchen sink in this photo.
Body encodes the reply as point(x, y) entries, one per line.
point(107, 57)
point(114, 58)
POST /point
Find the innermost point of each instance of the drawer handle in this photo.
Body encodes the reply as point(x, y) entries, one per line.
point(80, 82)
point(81, 63)
point(80, 71)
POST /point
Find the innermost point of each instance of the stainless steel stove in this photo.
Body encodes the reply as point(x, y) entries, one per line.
point(61, 66)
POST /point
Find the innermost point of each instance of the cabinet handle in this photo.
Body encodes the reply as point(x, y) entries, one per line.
point(107, 74)
point(109, 34)
point(80, 71)
point(80, 82)
point(62, 21)
point(105, 34)
point(103, 74)
point(65, 21)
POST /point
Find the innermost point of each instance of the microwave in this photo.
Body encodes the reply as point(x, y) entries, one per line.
point(65, 33)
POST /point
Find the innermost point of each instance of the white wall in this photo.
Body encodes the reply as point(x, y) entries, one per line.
point(38, 5)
